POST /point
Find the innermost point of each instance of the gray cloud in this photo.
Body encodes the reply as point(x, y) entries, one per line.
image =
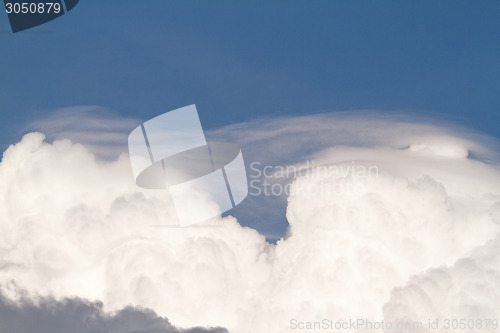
point(80, 316)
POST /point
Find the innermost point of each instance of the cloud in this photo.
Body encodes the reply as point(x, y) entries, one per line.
point(102, 131)
point(74, 226)
point(399, 141)
point(305, 135)
point(469, 289)
point(47, 315)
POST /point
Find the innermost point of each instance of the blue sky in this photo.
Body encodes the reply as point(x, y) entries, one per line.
point(242, 60)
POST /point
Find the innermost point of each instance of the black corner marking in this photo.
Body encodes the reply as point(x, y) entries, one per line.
point(70, 4)
point(26, 14)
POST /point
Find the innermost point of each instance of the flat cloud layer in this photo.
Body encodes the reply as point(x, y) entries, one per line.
point(73, 226)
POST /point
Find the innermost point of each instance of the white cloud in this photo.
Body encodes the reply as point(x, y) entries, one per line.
point(469, 290)
point(102, 131)
point(72, 226)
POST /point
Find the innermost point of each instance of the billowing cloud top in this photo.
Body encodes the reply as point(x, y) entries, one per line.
point(418, 240)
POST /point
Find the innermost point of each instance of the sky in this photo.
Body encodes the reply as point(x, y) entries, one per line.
point(242, 60)
point(412, 87)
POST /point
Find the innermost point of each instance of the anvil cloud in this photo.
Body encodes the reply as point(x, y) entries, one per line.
point(72, 225)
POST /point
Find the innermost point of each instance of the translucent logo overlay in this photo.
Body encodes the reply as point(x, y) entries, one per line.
point(205, 179)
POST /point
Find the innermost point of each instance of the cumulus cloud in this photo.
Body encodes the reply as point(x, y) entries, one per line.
point(74, 226)
point(396, 140)
point(468, 290)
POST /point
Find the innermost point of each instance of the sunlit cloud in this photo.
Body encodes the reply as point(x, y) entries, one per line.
point(74, 226)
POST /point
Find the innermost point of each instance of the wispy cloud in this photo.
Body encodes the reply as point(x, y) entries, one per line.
point(102, 131)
